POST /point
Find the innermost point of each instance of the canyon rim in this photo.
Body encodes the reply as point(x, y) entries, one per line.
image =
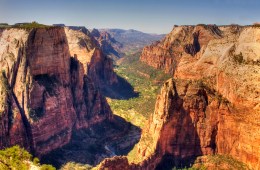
point(117, 86)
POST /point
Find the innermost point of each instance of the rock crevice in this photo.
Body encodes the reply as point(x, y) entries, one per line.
point(54, 85)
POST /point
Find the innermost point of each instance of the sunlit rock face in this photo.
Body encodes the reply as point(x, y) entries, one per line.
point(50, 83)
point(211, 105)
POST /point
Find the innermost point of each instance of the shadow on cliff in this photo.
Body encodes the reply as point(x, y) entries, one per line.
point(184, 148)
point(121, 90)
point(92, 145)
point(110, 135)
point(180, 143)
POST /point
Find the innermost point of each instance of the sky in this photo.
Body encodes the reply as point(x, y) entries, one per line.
point(151, 16)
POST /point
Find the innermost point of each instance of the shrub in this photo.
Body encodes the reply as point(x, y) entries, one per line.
point(47, 167)
point(18, 158)
point(76, 166)
point(239, 59)
point(257, 24)
point(36, 161)
point(31, 25)
point(4, 25)
point(4, 81)
point(14, 158)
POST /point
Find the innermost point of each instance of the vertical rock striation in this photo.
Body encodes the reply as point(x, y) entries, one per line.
point(50, 83)
point(211, 105)
point(180, 42)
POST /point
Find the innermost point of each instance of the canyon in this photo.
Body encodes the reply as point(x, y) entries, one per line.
point(57, 83)
point(211, 104)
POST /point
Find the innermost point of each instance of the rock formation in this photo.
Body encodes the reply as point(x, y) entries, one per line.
point(50, 82)
point(181, 41)
point(107, 43)
point(211, 105)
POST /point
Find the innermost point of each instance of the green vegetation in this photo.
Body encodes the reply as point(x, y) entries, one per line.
point(4, 91)
point(4, 25)
point(14, 157)
point(206, 83)
point(239, 58)
point(36, 161)
point(216, 162)
point(4, 82)
point(222, 160)
point(146, 140)
point(47, 167)
point(25, 25)
point(145, 80)
point(18, 158)
point(31, 25)
point(76, 166)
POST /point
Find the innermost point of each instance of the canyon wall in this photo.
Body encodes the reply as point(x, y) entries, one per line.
point(210, 106)
point(107, 43)
point(180, 42)
point(50, 81)
point(219, 114)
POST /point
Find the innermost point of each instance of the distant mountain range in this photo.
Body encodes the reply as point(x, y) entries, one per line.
point(130, 40)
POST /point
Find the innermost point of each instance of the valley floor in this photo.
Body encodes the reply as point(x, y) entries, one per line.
point(146, 82)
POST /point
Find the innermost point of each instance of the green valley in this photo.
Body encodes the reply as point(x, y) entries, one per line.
point(146, 81)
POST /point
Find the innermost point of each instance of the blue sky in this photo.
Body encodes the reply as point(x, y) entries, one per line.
point(153, 16)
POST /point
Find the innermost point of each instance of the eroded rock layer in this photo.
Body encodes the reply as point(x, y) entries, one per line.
point(211, 105)
point(191, 120)
point(50, 82)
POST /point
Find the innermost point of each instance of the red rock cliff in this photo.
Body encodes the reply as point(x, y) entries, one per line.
point(212, 104)
point(181, 41)
point(50, 85)
point(222, 117)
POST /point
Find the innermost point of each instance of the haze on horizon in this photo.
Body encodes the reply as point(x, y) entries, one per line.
point(149, 16)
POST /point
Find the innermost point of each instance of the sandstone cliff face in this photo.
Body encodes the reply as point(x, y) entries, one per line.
point(190, 120)
point(182, 41)
point(85, 48)
point(212, 104)
point(91, 70)
point(225, 118)
point(50, 85)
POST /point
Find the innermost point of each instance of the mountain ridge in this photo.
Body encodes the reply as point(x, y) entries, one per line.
point(132, 40)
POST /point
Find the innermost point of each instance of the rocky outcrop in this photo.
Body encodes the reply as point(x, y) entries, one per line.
point(107, 43)
point(181, 41)
point(211, 106)
point(117, 162)
point(96, 64)
point(51, 80)
point(224, 119)
point(191, 120)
